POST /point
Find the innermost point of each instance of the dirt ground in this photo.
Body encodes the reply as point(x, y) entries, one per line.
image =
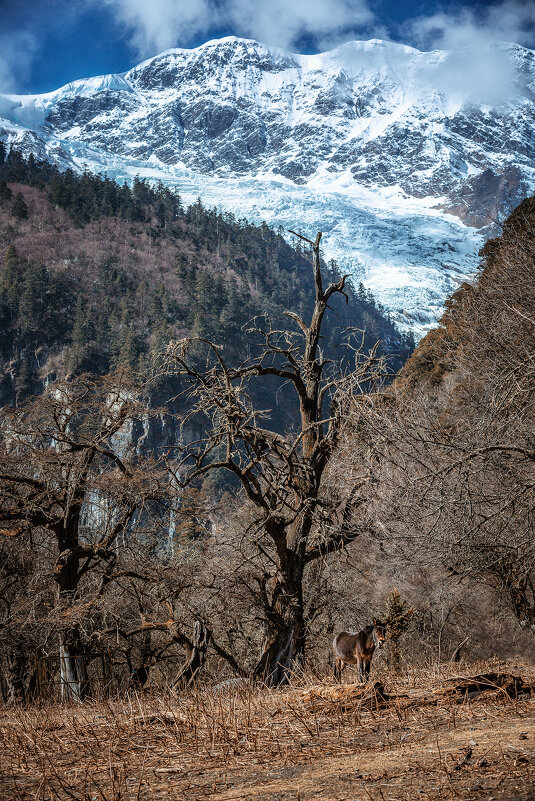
point(307, 742)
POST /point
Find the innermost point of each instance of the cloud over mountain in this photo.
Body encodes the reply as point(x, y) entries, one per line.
point(16, 53)
point(162, 24)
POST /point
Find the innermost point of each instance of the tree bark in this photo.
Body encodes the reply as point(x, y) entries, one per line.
point(195, 657)
point(285, 641)
point(20, 678)
point(72, 662)
point(73, 666)
point(283, 652)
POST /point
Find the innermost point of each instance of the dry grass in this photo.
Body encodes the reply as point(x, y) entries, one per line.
point(244, 742)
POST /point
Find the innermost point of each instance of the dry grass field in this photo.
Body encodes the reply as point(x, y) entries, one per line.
point(428, 740)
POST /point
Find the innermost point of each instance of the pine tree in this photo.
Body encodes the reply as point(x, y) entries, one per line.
point(32, 166)
point(79, 336)
point(397, 617)
point(5, 192)
point(32, 305)
point(129, 351)
point(233, 314)
point(207, 302)
point(160, 338)
point(19, 209)
point(11, 278)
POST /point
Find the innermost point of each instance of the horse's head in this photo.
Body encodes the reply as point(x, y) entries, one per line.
point(379, 633)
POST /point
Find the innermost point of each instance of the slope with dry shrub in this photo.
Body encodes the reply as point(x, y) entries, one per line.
point(455, 454)
point(246, 742)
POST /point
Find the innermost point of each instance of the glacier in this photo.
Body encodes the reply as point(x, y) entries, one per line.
point(400, 157)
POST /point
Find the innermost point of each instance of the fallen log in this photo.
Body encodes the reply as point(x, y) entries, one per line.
point(373, 697)
point(472, 686)
point(368, 696)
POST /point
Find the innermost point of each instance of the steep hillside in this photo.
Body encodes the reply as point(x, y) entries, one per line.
point(487, 326)
point(466, 410)
point(400, 156)
point(97, 276)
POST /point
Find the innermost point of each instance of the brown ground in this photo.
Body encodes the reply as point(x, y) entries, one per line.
point(262, 745)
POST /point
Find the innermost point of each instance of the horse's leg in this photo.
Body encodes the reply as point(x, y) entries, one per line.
point(360, 667)
point(338, 671)
point(367, 665)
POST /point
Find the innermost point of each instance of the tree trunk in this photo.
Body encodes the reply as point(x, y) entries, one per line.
point(284, 644)
point(72, 662)
point(283, 652)
point(19, 674)
point(196, 657)
point(139, 675)
point(72, 666)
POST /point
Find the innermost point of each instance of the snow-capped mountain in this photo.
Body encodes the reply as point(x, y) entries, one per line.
point(403, 158)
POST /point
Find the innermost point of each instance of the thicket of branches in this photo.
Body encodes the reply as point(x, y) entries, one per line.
point(161, 567)
point(453, 448)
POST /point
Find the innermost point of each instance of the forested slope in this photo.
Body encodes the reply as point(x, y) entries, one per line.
point(97, 276)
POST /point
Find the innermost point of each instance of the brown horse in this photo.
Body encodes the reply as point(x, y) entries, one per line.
point(357, 649)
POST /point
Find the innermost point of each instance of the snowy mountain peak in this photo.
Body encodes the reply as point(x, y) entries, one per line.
point(404, 158)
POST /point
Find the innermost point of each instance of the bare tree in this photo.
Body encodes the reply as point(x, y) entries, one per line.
point(71, 484)
point(281, 475)
point(455, 444)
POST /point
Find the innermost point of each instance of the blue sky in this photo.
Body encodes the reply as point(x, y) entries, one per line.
point(46, 43)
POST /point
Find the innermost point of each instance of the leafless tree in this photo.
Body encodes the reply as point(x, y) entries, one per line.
point(294, 522)
point(455, 444)
point(72, 486)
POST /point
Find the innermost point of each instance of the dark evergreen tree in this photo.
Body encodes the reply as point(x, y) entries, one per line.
point(129, 351)
point(5, 192)
point(19, 209)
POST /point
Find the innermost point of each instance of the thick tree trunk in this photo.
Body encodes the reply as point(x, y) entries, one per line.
point(196, 657)
point(72, 666)
point(19, 675)
point(283, 649)
point(283, 652)
point(72, 661)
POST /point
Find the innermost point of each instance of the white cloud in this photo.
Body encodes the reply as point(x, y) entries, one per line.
point(156, 25)
point(511, 20)
point(475, 67)
point(17, 51)
point(284, 22)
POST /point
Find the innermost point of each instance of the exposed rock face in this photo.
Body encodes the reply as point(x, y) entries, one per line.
point(372, 142)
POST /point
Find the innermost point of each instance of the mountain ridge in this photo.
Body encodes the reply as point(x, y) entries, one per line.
point(381, 146)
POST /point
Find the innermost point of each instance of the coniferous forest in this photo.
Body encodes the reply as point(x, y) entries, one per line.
point(98, 276)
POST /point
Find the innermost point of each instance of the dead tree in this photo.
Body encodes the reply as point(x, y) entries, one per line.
point(195, 650)
point(69, 483)
point(195, 656)
point(280, 475)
